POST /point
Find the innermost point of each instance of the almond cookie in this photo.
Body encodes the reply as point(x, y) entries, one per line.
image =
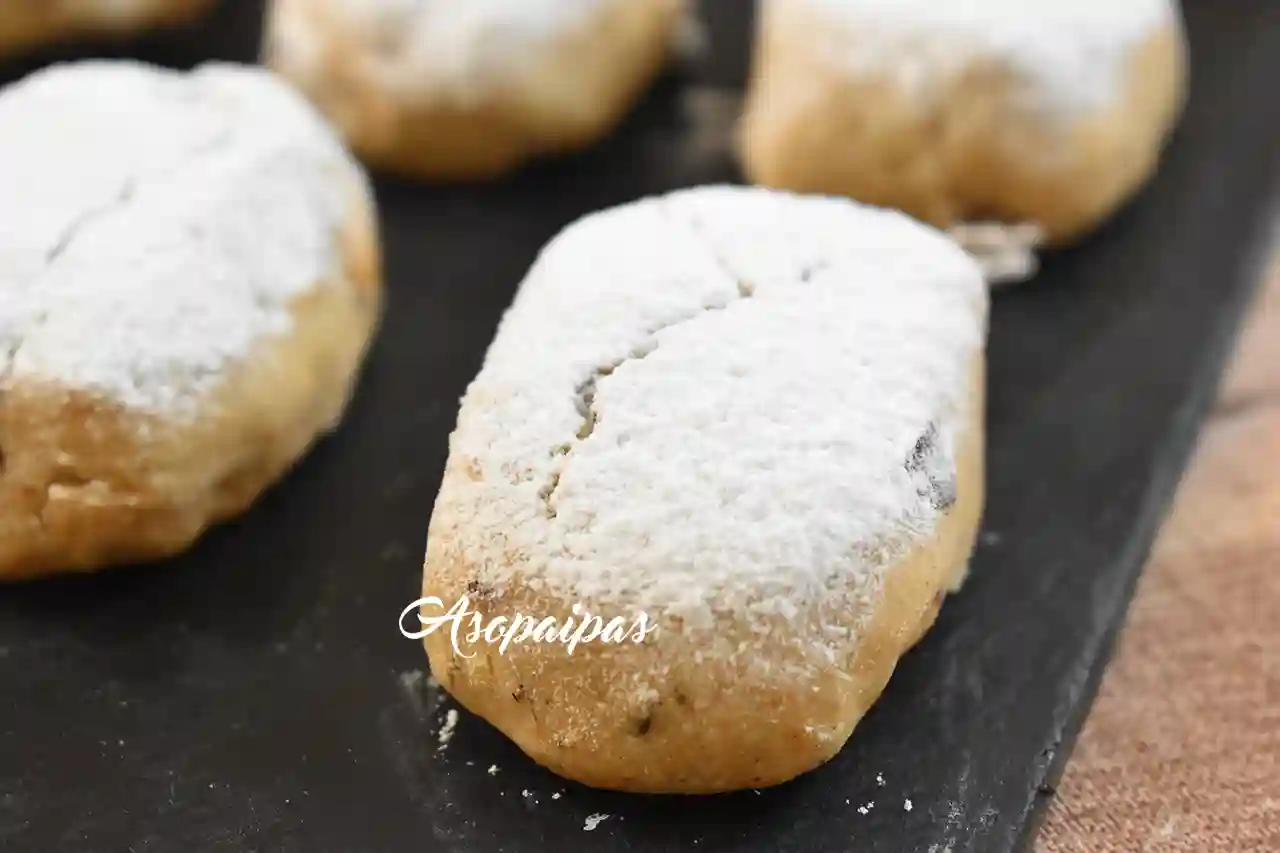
point(26, 24)
point(189, 278)
point(1052, 113)
point(470, 89)
point(749, 426)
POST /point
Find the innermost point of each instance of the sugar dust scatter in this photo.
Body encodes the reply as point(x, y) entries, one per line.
point(555, 796)
point(411, 684)
point(907, 806)
point(493, 770)
point(593, 821)
point(447, 730)
point(867, 808)
point(880, 780)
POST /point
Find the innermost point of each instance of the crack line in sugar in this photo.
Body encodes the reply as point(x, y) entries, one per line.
point(127, 193)
point(941, 492)
point(589, 387)
point(84, 221)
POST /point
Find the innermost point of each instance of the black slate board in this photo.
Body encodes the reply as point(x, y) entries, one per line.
point(257, 695)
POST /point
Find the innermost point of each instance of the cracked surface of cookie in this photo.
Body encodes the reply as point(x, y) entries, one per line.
point(469, 90)
point(757, 419)
point(1052, 113)
point(189, 275)
point(28, 24)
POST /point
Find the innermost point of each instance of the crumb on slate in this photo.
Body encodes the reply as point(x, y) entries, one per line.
point(447, 730)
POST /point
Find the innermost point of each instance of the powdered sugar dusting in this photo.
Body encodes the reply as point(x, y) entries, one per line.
point(415, 43)
point(158, 225)
point(718, 401)
point(1073, 51)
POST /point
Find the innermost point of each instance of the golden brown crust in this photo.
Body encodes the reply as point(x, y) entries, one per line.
point(653, 718)
point(811, 127)
point(86, 484)
point(29, 24)
point(574, 94)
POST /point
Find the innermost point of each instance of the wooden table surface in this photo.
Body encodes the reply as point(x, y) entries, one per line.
point(1182, 749)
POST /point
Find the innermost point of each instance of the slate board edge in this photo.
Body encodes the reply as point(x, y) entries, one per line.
point(1184, 437)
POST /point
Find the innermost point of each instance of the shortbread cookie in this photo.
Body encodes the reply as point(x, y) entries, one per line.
point(1052, 113)
point(26, 24)
point(752, 417)
point(469, 89)
point(189, 276)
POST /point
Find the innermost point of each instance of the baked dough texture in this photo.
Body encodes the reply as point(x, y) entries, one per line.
point(471, 90)
point(1052, 112)
point(27, 24)
point(754, 418)
point(189, 278)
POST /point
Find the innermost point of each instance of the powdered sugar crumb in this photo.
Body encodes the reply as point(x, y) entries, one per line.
point(446, 731)
point(593, 821)
point(907, 806)
point(493, 770)
point(159, 224)
point(1007, 253)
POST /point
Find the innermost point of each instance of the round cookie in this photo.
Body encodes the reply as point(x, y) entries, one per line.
point(747, 424)
point(189, 279)
point(470, 90)
point(26, 24)
point(1052, 112)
